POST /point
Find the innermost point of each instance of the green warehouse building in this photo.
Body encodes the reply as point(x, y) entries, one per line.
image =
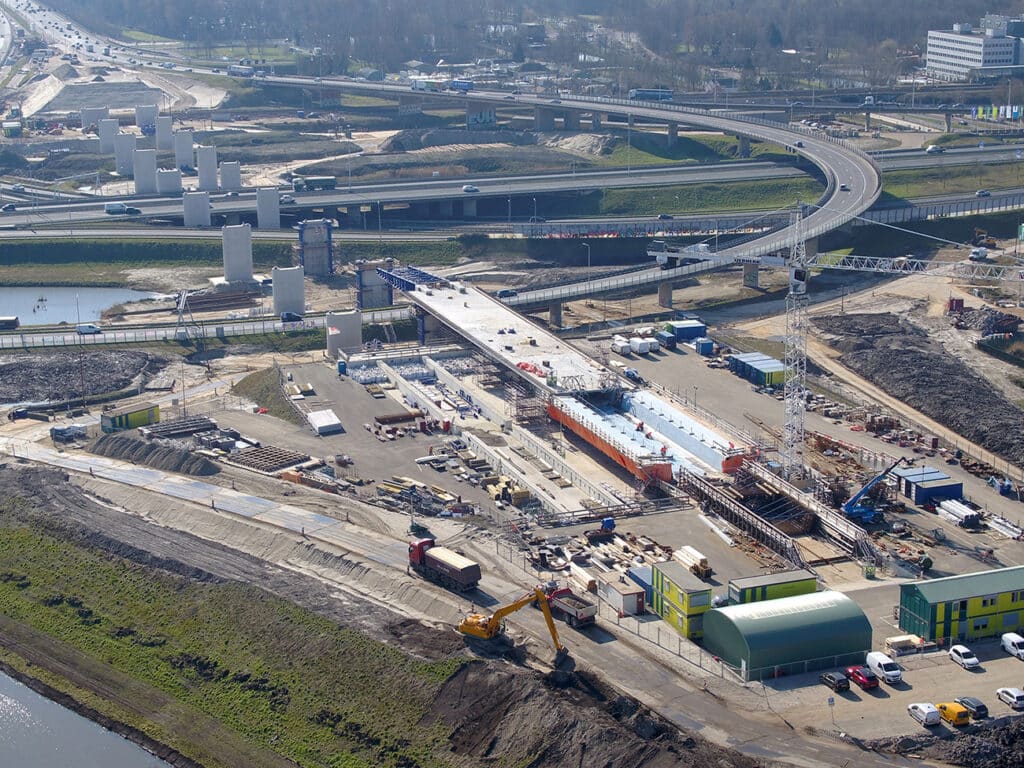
point(680, 598)
point(788, 635)
point(964, 607)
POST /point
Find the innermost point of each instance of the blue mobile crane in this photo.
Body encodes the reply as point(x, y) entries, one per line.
point(865, 513)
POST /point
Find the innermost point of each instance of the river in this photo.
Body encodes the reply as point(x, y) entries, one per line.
point(60, 303)
point(38, 733)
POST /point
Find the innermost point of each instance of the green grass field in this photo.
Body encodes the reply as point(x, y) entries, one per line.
point(943, 179)
point(262, 388)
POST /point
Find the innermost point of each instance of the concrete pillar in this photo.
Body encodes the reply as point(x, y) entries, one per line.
point(469, 208)
point(146, 115)
point(164, 132)
point(168, 181)
point(124, 146)
point(750, 276)
point(673, 134)
point(665, 294)
point(572, 121)
point(447, 209)
point(744, 146)
point(268, 208)
point(206, 163)
point(595, 121)
point(543, 119)
point(93, 115)
point(867, 120)
point(196, 207)
point(183, 155)
point(949, 122)
point(237, 246)
point(555, 314)
point(231, 175)
point(811, 247)
point(144, 171)
point(108, 128)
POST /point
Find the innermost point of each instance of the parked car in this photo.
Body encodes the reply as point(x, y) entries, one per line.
point(1014, 697)
point(884, 667)
point(837, 681)
point(469, 188)
point(291, 317)
point(862, 676)
point(983, 193)
point(926, 714)
point(964, 656)
point(953, 713)
point(976, 707)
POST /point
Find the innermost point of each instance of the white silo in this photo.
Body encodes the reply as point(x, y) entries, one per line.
point(108, 128)
point(93, 115)
point(289, 289)
point(146, 114)
point(196, 206)
point(237, 243)
point(268, 208)
point(124, 147)
point(206, 163)
point(231, 175)
point(183, 157)
point(168, 181)
point(164, 132)
point(144, 171)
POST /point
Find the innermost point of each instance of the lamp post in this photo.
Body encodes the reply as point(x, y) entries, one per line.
point(695, 397)
point(535, 210)
point(380, 229)
point(587, 246)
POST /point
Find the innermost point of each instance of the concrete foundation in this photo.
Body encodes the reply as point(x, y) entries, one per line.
point(144, 171)
point(268, 208)
point(196, 206)
point(168, 181)
point(183, 153)
point(231, 175)
point(206, 163)
point(164, 132)
point(124, 147)
point(108, 129)
point(146, 115)
point(237, 245)
point(289, 290)
point(665, 294)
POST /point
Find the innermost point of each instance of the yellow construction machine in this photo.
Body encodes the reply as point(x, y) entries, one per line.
point(489, 627)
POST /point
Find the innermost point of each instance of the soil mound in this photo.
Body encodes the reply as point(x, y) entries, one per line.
point(154, 455)
point(411, 140)
point(58, 376)
point(997, 746)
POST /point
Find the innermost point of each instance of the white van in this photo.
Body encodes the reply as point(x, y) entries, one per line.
point(884, 667)
point(87, 329)
point(1013, 644)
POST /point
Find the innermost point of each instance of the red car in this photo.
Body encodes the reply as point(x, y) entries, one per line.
point(863, 677)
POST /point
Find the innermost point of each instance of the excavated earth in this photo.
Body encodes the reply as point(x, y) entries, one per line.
point(996, 746)
point(898, 356)
point(56, 376)
point(154, 455)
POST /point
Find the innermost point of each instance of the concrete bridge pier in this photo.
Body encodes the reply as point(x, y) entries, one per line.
point(447, 208)
point(665, 294)
point(571, 120)
point(811, 247)
point(867, 120)
point(469, 208)
point(543, 119)
point(555, 314)
point(673, 134)
point(232, 219)
point(595, 121)
point(428, 327)
point(949, 122)
point(743, 148)
point(750, 276)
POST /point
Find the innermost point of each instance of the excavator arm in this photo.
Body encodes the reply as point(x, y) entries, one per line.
point(488, 627)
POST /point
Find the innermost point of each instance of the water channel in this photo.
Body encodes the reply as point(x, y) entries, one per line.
point(49, 305)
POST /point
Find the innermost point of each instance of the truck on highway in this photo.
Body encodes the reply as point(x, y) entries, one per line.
point(568, 606)
point(443, 566)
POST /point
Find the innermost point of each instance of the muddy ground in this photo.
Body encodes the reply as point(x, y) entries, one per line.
point(996, 746)
point(56, 376)
point(898, 355)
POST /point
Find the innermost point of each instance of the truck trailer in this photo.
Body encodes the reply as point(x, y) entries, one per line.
point(571, 608)
point(443, 566)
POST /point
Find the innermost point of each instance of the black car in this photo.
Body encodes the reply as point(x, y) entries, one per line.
point(8, 208)
point(291, 317)
point(975, 706)
point(835, 680)
point(665, 217)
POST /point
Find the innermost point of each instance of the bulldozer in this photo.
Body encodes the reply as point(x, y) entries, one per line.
point(982, 239)
point(490, 627)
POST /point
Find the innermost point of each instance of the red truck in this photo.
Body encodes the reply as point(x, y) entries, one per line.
point(571, 608)
point(443, 566)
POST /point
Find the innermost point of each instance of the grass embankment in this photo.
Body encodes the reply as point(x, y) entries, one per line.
point(696, 198)
point(262, 671)
point(263, 388)
point(943, 179)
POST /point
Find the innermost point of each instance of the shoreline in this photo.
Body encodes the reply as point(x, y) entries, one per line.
point(142, 740)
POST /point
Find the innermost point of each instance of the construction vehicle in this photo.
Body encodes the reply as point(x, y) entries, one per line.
point(600, 535)
point(443, 566)
point(982, 239)
point(854, 510)
point(566, 605)
point(489, 627)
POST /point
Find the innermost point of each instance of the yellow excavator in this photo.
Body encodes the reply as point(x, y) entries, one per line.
point(489, 627)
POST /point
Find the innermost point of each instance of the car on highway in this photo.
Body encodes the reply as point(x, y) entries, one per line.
point(934, 149)
point(556, 101)
point(286, 199)
point(231, 194)
point(926, 714)
point(1014, 697)
point(953, 713)
point(844, 188)
point(537, 220)
point(837, 681)
point(8, 208)
point(17, 188)
point(964, 656)
point(291, 317)
point(983, 193)
point(976, 707)
point(469, 188)
point(665, 217)
point(862, 676)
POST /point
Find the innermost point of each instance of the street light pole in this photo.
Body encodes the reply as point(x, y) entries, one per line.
point(587, 246)
point(535, 210)
point(695, 397)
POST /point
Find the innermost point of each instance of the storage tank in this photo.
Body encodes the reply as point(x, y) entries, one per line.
point(168, 181)
point(197, 209)
point(289, 289)
point(183, 155)
point(124, 146)
point(144, 171)
point(146, 114)
point(164, 132)
point(231, 175)
point(108, 128)
point(206, 163)
point(237, 244)
point(268, 208)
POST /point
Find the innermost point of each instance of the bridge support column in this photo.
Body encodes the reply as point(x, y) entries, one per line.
point(555, 314)
point(469, 209)
point(750, 273)
point(744, 146)
point(949, 122)
point(447, 209)
point(428, 327)
point(867, 120)
point(595, 122)
point(665, 294)
point(571, 120)
point(811, 247)
point(543, 119)
point(673, 134)
point(233, 219)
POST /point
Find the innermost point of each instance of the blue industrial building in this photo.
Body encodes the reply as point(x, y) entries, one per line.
point(924, 485)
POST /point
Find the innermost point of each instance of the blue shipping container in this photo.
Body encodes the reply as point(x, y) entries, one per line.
point(666, 339)
point(643, 575)
point(705, 347)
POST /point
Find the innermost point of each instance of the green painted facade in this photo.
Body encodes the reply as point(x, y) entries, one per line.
point(680, 598)
point(772, 586)
point(967, 607)
point(130, 417)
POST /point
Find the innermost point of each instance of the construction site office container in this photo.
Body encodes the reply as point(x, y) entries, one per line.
point(679, 597)
point(704, 346)
point(772, 586)
point(934, 490)
point(644, 576)
point(965, 607)
point(687, 330)
point(666, 339)
point(129, 417)
point(625, 596)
